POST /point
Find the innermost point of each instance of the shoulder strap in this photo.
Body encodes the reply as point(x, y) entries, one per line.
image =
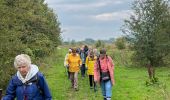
point(98, 61)
point(33, 80)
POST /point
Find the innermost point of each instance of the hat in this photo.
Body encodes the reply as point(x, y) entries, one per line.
point(69, 50)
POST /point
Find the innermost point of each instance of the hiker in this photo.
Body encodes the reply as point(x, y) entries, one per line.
point(83, 55)
point(90, 61)
point(104, 74)
point(28, 83)
point(74, 63)
point(66, 64)
point(78, 51)
point(83, 59)
point(96, 53)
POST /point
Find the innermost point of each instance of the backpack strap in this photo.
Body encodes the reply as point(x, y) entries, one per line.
point(35, 80)
point(98, 61)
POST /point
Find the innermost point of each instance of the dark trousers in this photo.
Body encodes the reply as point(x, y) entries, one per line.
point(91, 81)
point(83, 69)
point(0, 94)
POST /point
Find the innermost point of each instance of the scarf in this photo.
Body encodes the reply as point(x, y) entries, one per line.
point(31, 73)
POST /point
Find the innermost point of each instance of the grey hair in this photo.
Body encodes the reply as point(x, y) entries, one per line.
point(22, 60)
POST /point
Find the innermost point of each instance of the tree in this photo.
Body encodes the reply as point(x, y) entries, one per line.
point(120, 43)
point(99, 43)
point(26, 26)
point(148, 31)
point(89, 41)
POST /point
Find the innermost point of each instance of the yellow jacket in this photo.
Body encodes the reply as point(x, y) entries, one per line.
point(90, 65)
point(74, 62)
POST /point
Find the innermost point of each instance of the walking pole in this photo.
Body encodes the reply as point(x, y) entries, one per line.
point(0, 94)
point(65, 70)
point(95, 87)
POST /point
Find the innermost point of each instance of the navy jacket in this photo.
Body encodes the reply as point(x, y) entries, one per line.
point(36, 89)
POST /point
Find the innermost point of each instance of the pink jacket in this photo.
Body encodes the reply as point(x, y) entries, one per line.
point(110, 68)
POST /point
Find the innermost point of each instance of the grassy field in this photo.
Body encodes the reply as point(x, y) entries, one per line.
point(130, 83)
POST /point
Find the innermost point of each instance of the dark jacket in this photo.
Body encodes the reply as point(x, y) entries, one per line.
point(36, 89)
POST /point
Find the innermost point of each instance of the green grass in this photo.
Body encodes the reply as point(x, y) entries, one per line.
point(130, 83)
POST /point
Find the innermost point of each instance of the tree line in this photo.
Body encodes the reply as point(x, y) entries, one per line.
point(147, 31)
point(26, 26)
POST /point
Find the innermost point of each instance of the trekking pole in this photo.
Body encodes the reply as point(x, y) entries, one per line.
point(0, 94)
point(65, 70)
point(95, 87)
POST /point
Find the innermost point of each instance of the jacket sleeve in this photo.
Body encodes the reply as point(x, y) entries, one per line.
point(44, 87)
point(95, 72)
point(10, 92)
point(111, 62)
point(80, 61)
point(87, 61)
point(65, 60)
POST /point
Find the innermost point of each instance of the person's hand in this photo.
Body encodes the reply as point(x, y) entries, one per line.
point(80, 65)
point(66, 66)
point(86, 68)
point(95, 81)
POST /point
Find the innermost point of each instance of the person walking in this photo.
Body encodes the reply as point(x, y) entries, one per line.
point(90, 61)
point(28, 83)
point(104, 74)
point(66, 64)
point(83, 55)
point(83, 59)
point(74, 63)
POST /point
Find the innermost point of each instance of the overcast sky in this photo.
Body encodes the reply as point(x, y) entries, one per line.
point(96, 19)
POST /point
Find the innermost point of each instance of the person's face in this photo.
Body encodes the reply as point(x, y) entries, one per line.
point(74, 52)
point(23, 70)
point(102, 56)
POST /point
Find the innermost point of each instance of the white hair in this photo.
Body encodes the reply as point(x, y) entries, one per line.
point(22, 60)
point(69, 50)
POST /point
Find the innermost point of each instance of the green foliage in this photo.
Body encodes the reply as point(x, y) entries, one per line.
point(120, 43)
point(121, 57)
point(26, 26)
point(152, 81)
point(99, 44)
point(148, 31)
point(130, 83)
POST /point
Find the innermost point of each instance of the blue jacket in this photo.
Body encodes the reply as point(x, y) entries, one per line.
point(36, 89)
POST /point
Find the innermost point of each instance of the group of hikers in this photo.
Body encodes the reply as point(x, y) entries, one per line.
point(30, 84)
point(99, 66)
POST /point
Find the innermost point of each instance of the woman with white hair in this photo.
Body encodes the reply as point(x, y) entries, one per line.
point(28, 83)
point(65, 62)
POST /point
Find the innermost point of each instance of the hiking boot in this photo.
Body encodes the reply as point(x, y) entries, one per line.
point(76, 89)
point(95, 89)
